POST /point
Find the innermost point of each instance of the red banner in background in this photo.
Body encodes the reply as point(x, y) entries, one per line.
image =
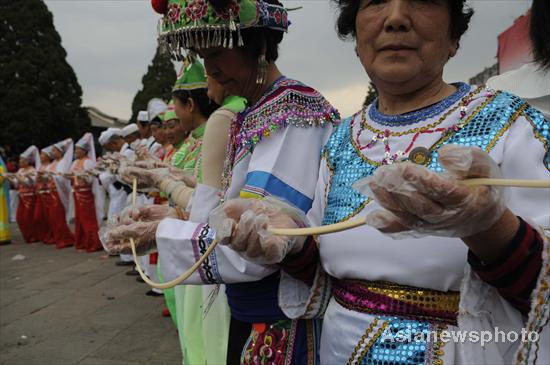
point(514, 45)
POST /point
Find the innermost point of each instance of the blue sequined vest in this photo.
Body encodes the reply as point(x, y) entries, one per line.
point(484, 130)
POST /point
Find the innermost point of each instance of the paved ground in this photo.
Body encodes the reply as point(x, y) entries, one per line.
point(77, 308)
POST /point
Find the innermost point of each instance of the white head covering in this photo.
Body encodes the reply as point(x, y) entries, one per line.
point(32, 155)
point(129, 129)
point(67, 148)
point(87, 143)
point(108, 134)
point(155, 107)
point(64, 165)
point(143, 116)
point(47, 151)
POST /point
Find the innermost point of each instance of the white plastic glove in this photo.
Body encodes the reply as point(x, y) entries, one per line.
point(116, 239)
point(146, 178)
point(151, 213)
point(142, 152)
point(419, 201)
point(150, 164)
point(242, 224)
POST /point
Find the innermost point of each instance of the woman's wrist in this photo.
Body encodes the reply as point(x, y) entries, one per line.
point(297, 245)
point(490, 244)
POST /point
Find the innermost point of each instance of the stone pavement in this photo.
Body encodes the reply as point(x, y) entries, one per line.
point(65, 307)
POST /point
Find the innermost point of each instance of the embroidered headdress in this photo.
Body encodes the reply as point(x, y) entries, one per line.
point(198, 24)
point(191, 77)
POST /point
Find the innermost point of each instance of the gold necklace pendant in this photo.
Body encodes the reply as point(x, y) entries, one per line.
point(420, 156)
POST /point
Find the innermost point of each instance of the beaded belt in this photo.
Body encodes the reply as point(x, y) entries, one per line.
point(384, 298)
point(26, 194)
point(82, 190)
point(47, 191)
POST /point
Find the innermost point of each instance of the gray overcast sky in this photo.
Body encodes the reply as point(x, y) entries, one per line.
point(110, 43)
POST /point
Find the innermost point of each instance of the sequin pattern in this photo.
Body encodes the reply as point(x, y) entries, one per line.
point(419, 115)
point(382, 298)
point(405, 342)
point(483, 129)
point(286, 103)
point(541, 129)
point(346, 167)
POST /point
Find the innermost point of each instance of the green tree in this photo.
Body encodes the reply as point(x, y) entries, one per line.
point(372, 94)
point(40, 98)
point(157, 83)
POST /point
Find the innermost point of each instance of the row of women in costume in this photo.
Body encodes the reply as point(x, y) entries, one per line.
point(196, 120)
point(435, 256)
point(45, 182)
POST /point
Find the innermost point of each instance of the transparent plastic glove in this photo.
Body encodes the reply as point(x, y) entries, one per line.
point(142, 152)
point(84, 179)
point(116, 239)
point(185, 177)
point(421, 202)
point(146, 178)
point(151, 213)
point(242, 224)
point(150, 164)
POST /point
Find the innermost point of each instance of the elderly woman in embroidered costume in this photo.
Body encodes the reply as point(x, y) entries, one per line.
point(88, 206)
point(24, 180)
point(467, 258)
point(273, 149)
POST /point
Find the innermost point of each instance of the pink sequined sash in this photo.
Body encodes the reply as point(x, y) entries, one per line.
point(384, 298)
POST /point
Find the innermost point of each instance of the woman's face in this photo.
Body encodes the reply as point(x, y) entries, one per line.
point(158, 133)
point(404, 44)
point(57, 153)
point(215, 91)
point(23, 162)
point(230, 68)
point(79, 152)
point(174, 132)
point(44, 158)
point(185, 113)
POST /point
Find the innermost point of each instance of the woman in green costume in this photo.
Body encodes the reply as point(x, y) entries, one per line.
point(198, 313)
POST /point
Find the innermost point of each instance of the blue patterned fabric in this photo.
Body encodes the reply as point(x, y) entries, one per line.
point(484, 130)
point(403, 342)
point(418, 116)
point(262, 184)
point(346, 167)
point(541, 128)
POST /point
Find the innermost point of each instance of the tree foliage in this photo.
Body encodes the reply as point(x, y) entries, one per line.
point(157, 83)
point(40, 97)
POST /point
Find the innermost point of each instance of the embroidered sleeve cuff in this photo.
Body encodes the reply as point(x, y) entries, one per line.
point(515, 274)
point(302, 265)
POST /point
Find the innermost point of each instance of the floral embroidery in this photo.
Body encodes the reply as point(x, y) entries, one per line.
point(230, 11)
point(278, 17)
point(270, 346)
point(174, 12)
point(196, 9)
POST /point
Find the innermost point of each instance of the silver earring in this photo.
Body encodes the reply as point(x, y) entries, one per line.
point(261, 77)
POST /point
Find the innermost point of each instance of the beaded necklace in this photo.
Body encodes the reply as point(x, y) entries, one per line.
point(286, 102)
point(419, 154)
